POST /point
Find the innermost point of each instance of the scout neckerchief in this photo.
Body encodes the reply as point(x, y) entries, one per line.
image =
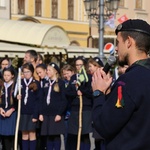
point(77, 76)
point(27, 88)
point(42, 80)
point(145, 63)
point(49, 91)
point(7, 85)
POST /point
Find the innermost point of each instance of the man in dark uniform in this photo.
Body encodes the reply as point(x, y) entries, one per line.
point(122, 117)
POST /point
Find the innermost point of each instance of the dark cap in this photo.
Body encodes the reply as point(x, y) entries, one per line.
point(136, 25)
point(98, 60)
point(81, 58)
point(55, 66)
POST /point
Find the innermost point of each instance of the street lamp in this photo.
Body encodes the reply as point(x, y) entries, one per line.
point(105, 8)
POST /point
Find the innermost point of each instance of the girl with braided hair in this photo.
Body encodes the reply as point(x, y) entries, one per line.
point(8, 105)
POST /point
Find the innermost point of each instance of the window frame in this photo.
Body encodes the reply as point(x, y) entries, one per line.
point(138, 4)
point(21, 7)
point(70, 9)
point(38, 7)
point(54, 8)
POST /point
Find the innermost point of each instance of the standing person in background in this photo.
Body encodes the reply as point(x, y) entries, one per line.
point(66, 72)
point(8, 106)
point(40, 59)
point(122, 117)
point(122, 69)
point(30, 97)
point(73, 93)
point(41, 70)
point(119, 70)
point(53, 107)
point(31, 56)
point(93, 65)
point(5, 63)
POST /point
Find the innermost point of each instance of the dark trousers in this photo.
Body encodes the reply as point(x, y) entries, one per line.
point(7, 142)
point(72, 142)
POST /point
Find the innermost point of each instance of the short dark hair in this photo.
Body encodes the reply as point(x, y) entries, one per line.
point(142, 40)
point(11, 70)
point(28, 66)
point(33, 54)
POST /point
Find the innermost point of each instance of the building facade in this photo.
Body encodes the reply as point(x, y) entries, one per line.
point(133, 9)
point(71, 16)
point(5, 10)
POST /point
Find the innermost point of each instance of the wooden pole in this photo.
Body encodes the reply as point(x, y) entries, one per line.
point(80, 123)
point(19, 108)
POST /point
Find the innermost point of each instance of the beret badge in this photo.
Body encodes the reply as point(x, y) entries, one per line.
point(53, 65)
point(96, 60)
point(119, 27)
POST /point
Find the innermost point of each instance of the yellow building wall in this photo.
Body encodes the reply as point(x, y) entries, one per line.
point(62, 13)
point(46, 9)
point(76, 30)
point(31, 7)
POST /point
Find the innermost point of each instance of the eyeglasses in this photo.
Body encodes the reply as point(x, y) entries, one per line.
point(26, 72)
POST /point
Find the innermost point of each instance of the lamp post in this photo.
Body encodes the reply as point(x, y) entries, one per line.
point(92, 7)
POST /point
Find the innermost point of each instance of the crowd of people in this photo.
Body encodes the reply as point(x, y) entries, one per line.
point(51, 99)
point(49, 103)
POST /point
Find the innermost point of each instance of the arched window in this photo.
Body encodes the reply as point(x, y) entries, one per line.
point(54, 8)
point(70, 9)
point(38, 7)
point(21, 7)
point(138, 4)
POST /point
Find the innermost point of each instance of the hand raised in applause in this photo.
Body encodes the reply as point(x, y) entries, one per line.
point(101, 81)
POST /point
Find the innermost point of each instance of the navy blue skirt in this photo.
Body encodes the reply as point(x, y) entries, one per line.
point(26, 123)
point(50, 127)
point(8, 124)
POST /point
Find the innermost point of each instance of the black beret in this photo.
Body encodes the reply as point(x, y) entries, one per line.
point(55, 67)
point(98, 60)
point(136, 25)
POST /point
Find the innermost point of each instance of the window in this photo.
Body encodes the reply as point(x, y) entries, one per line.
point(21, 6)
point(70, 9)
point(37, 7)
point(121, 3)
point(138, 4)
point(2, 3)
point(54, 8)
